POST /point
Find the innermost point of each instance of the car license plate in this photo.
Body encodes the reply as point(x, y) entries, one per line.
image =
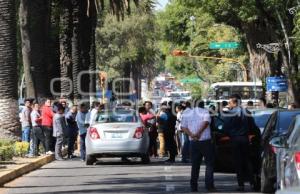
point(116, 135)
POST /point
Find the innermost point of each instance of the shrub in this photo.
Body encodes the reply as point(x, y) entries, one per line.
point(7, 152)
point(21, 148)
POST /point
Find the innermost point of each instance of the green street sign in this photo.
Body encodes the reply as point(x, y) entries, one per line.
point(191, 80)
point(224, 45)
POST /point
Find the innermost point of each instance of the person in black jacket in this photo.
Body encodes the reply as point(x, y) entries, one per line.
point(236, 126)
point(169, 134)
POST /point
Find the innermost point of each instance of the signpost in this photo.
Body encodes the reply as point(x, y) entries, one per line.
point(277, 84)
point(191, 80)
point(224, 45)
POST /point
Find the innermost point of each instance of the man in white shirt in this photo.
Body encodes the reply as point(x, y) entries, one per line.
point(196, 124)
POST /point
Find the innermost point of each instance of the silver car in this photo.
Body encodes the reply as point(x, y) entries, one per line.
point(117, 133)
point(293, 190)
point(288, 157)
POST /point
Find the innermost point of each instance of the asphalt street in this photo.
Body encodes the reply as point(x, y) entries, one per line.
point(113, 176)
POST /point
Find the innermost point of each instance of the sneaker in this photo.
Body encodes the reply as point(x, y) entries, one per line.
point(59, 159)
point(49, 153)
point(29, 156)
point(71, 156)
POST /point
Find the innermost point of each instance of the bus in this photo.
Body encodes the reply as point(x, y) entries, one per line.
point(249, 91)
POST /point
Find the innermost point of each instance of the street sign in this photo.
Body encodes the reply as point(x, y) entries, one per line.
point(224, 45)
point(191, 80)
point(277, 84)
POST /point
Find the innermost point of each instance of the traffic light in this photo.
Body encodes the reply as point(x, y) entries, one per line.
point(178, 53)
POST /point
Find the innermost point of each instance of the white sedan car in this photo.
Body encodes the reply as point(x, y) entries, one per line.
point(117, 133)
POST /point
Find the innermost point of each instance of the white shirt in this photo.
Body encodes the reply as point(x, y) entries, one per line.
point(194, 120)
point(91, 116)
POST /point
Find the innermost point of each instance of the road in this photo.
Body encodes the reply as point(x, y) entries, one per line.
point(113, 176)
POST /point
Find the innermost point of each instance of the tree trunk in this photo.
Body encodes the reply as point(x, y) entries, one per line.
point(53, 68)
point(26, 47)
point(85, 37)
point(66, 48)
point(92, 53)
point(76, 49)
point(35, 30)
point(261, 61)
point(9, 121)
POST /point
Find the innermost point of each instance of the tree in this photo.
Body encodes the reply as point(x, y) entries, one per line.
point(66, 28)
point(34, 21)
point(178, 31)
point(261, 22)
point(120, 48)
point(9, 122)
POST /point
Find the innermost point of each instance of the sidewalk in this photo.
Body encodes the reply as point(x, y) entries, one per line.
point(20, 166)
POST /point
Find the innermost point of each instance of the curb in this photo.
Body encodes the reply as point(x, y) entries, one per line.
point(25, 168)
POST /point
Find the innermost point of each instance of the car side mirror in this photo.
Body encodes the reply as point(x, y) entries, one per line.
point(278, 142)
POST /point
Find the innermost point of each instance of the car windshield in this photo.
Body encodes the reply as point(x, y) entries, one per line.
point(285, 120)
point(120, 116)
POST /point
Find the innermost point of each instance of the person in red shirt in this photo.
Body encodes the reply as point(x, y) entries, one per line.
point(148, 119)
point(47, 122)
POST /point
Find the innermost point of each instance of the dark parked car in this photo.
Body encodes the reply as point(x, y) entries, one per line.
point(288, 146)
point(277, 125)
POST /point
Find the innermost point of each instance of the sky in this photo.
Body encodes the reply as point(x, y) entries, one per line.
point(161, 4)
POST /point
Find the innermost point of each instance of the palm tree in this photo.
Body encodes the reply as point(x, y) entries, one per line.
point(66, 47)
point(9, 123)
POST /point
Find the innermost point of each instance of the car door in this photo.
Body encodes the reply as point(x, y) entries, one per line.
point(283, 155)
point(290, 172)
point(223, 151)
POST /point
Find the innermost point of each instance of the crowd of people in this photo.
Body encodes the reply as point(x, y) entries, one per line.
point(183, 128)
point(54, 125)
point(186, 128)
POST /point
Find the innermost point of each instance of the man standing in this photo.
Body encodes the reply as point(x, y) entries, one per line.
point(196, 124)
point(59, 129)
point(25, 121)
point(236, 124)
point(72, 130)
point(38, 134)
point(185, 142)
point(82, 126)
point(92, 115)
point(47, 123)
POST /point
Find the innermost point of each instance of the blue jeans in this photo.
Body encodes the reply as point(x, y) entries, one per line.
point(26, 134)
point(82, 146)
point(200, 149)
point(185, 146)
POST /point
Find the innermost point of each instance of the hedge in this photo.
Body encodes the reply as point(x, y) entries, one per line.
point(9, 149)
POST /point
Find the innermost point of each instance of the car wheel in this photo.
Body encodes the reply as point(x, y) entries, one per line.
point(90, 160)
point(266, 183)
point(145, 159)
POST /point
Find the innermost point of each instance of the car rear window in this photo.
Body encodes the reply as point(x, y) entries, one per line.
point(119, 117)
point(285, 119)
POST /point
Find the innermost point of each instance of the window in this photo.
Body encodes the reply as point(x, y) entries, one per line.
point(117, 117)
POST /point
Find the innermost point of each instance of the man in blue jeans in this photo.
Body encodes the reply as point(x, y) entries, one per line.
point(25, 121)
point(196, 124)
